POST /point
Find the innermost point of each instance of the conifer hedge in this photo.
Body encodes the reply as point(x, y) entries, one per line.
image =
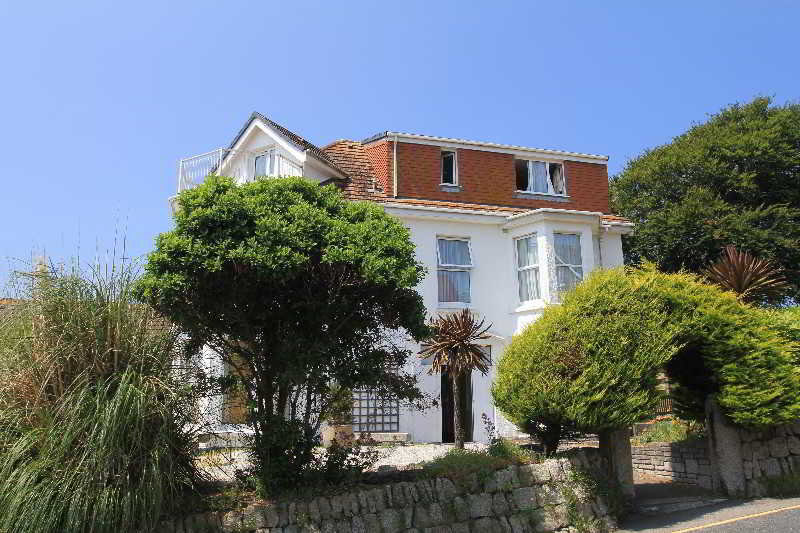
point(593, 361)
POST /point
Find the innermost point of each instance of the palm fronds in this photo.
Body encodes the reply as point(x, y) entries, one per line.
point(454, 345)
point(751, 278)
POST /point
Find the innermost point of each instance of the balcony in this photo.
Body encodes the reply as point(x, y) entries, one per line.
point(242, 165)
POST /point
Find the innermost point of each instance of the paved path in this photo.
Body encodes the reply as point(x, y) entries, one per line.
point(755, 516)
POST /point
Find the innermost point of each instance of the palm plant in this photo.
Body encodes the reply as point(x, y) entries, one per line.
point(454, 349)
point(752, 279)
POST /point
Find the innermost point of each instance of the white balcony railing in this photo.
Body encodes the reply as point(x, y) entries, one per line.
point(238, 164)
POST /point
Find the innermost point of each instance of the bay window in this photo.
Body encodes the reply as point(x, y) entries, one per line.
point(540, 177)
point(528, 268)
point(454, 262)
point(568, 261)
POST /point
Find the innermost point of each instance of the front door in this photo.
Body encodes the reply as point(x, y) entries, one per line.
point(448, 407)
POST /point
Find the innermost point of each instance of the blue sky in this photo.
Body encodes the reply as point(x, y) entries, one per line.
point(100, 100)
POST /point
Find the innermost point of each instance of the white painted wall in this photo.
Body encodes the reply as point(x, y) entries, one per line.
point(494, 292)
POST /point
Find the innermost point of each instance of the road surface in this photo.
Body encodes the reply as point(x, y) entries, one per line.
point(765, 515)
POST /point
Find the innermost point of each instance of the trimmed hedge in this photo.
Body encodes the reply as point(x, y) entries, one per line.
point(593, 361)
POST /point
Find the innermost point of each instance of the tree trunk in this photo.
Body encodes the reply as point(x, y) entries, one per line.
point(458, 413)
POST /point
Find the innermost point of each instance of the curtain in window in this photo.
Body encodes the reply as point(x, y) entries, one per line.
point(568, 249)
point(261, 165)
point(528, 284)
point(453, 252)
point(598, 255)
point(539, 176)
point(557, 178)
point(569, 269)
point(453, 286)
point(527, 268)
point(527, 252)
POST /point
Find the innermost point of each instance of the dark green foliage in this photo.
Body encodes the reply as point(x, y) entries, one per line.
point(297, 289)
point(592, 362)
point(734, 179)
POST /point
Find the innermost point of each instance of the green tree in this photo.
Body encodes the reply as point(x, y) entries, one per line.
point(455, 349)
point(296, 289)
point(734, 179)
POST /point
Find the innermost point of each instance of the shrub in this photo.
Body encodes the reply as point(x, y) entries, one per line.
point(592, 362)
point(460, 464)
point(92, 415)
point(671, 430)
point(295, 288)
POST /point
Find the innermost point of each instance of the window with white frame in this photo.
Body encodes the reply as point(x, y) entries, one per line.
point(263, 164)
point(449, 168)
point(540, 177)
point(528, 268)
point(454, 261)
point(568, 260)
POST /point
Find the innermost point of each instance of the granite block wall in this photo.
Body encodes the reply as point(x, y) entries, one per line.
point(518, 499)
point(686, 462)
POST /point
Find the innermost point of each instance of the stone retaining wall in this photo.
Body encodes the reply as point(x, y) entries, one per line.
point(686, 462)
point(769, 453)
point(529, 498)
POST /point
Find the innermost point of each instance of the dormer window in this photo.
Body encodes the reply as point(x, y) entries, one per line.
point(540, 177)
point(449, 168)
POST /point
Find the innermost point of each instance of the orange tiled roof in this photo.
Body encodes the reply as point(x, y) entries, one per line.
point(352, 159)
point(456, 205)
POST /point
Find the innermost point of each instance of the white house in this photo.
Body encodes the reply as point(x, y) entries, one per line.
point(501, 229)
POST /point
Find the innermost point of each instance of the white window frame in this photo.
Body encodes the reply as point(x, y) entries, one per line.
point(570, 265)
point(454, 268)
point(270, 168)
point(550, 189)
point(537, 267)
point(455, 166)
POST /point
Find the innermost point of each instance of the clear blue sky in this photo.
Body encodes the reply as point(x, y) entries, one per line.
point(99, 100)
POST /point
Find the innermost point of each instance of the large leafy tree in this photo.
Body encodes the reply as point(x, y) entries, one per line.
point(296, 289)
point(734, 179)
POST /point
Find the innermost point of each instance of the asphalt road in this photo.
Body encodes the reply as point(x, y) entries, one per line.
point(755, 516)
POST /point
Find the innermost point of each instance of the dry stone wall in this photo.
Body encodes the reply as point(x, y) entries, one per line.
point(769, 453)
point(686, 462)
point(518, 499)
